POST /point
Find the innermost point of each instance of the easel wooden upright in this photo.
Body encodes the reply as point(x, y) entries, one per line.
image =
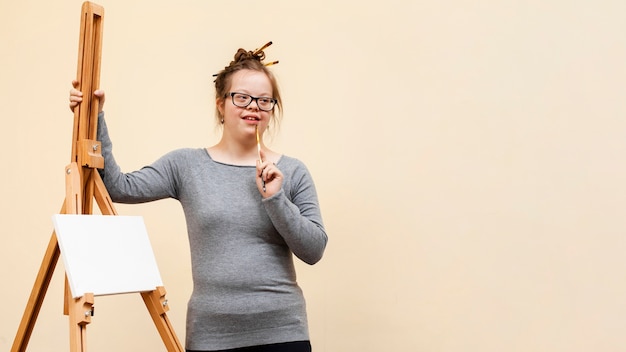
point(83, 184)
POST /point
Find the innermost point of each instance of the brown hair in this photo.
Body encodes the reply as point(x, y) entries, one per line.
point(246, 60)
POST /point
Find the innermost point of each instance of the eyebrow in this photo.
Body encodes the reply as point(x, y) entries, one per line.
point(243, 91)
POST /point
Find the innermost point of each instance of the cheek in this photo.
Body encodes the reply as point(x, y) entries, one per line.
point(227, 109)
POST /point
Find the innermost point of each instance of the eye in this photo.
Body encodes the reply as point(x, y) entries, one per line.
point(242, 98)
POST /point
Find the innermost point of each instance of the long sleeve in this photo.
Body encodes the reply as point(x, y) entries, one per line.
point(156, 181)
point(297, 217)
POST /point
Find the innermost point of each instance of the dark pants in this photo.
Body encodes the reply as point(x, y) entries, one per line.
point(297, 346)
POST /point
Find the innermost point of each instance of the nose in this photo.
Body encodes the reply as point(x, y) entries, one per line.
point(256, 104)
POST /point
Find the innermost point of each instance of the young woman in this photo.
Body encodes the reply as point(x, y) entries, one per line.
point(245, 217)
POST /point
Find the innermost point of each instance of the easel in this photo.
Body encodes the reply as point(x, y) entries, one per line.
point(82, 184)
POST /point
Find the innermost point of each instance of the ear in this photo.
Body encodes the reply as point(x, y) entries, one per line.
point(219, 103)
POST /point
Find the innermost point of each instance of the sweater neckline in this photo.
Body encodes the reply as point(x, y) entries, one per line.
point(206, 152)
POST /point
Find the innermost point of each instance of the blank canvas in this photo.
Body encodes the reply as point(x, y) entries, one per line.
point(106, 254)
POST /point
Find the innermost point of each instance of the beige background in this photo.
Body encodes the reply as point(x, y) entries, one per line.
point(469, 158)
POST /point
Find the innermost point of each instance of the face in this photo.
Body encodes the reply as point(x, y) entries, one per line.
point(243, 120)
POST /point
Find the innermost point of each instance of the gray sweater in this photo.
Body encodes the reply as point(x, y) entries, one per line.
point(244, 282)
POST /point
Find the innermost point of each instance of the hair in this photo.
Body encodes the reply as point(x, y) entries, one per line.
point(246, 60)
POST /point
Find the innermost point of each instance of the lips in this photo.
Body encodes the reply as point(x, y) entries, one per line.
point(251, 118)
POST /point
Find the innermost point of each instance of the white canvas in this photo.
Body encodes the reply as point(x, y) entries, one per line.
point(106, 255)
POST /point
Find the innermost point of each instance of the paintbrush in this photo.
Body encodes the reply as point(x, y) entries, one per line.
point(258, 146)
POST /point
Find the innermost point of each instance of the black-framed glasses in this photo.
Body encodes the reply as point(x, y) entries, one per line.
point(242, 100)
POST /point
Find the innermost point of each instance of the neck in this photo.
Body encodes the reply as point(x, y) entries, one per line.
point(235, 153)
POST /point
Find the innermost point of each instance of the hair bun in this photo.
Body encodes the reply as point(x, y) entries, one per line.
point(243, 55)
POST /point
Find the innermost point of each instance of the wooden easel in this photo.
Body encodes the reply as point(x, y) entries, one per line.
point(83, 183)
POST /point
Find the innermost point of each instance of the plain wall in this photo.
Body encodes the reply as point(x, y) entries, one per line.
point(469, 158)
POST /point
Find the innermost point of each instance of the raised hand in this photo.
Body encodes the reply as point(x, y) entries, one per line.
point(76, 97)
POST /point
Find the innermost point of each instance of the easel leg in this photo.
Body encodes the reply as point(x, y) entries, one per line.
point(102, 195)
point(37, 295)
point(157, 306)
point(71, 205)
point(81, 310)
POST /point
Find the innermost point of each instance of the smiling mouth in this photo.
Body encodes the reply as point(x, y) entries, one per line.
point(251, 118)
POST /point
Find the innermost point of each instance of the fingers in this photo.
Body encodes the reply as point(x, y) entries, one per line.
point(269, 178)
point(76, 96)
point(267, 171)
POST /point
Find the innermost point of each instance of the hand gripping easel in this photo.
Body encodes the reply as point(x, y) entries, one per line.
point(83, 183)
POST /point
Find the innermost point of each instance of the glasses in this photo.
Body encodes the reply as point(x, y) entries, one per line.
point(243, 100)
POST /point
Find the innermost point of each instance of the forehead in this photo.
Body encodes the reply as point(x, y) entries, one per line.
point(250, 81)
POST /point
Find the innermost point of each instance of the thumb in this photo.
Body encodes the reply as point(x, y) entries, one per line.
point(100, 95)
